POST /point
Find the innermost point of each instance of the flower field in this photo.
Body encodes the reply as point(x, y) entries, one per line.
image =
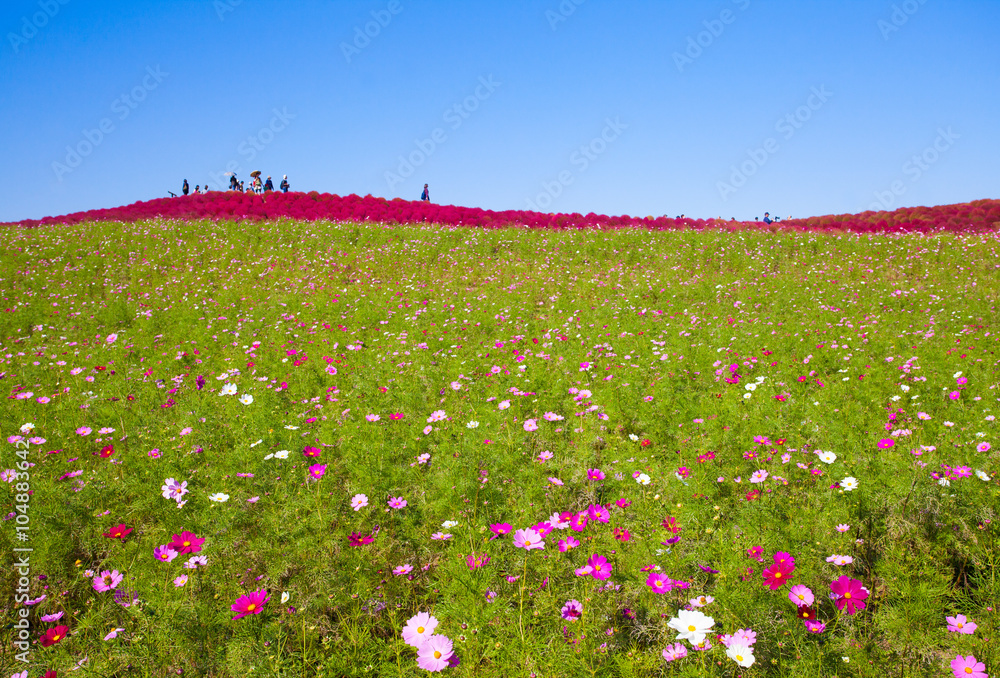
point(975, 216)
point(310, 447)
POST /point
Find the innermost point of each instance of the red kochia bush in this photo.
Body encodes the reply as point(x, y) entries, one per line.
point(975, 216)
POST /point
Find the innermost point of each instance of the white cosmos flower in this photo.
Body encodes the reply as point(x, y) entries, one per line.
point(849, 483)
point(219, 497)
point(741, 654)
point(284, 597)
point(246, 398)
point(633, 437)
point(982, 475)
point(228, 389)
point(642, 479)
point(291, 428)
point(472, 424)
point(691, 625)
point(827, 457)
point(281, 454)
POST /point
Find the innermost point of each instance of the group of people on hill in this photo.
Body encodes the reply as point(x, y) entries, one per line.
point(256, 185)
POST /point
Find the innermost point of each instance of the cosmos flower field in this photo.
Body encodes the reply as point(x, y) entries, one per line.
point(315, 448)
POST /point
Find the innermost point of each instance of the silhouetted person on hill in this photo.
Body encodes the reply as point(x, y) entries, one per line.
point(268, 186)
point(234, 184)
point(426, 195)
point(185, 188)
point(767, 217)
point(284, 184)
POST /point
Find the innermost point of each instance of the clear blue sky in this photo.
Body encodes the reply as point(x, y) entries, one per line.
point(503, 97)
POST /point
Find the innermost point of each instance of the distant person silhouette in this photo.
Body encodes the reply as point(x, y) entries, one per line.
point(426, 195)
point(284, 184)
point(767, 217)
point(268, 186)
point(234, 184)
point(185, 188)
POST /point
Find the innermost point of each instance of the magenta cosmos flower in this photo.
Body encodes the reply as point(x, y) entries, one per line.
point(595, 474)
point(777, 574)
point(599, 566)
point(397, 502)
point(572, 610)
point(968, 667)
point(528, 539)
point(252, 603)
point(418, 629)
point(164, 553)
point(186, 542)
point(851, 594)
point(659, 583)
point(316, 471)
point(886, 443)
point(435, 654)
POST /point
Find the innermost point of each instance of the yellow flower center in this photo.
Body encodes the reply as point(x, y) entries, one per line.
point(968, 669)
point(739, 657)
point(251, 607)
point(437, 655)
point(960, 625)
point(58, 636)
point(187, 543)
point(847, 595)
point(527, 543)
point(801, 597)
point(420, 629)
point(691, 628)
point(777, 575)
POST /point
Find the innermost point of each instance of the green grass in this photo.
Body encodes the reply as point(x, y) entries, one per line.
point(405, 313)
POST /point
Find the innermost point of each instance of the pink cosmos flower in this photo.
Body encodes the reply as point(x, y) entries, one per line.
point(164, 553)
point(435, 654)
point(759, 476)
point(528, 539)
point(418, 629)
point(959, 624)
point(843, 527)
point(555, 481)
point(83, 431)
point(530, 425)
point(180, 581)
point(402, 569)
point(675, 651)
point(886, 443)
point(598, 513)
point(595, 474)
point(814, 626)
point(359, 501)
point(251, 603)
point(968, 667)
point(756, 552)
point(983, 447)
point(567, 544)
point(107, 580)
point(840, 560)
point(397, 502)
point(801, 595)
point(316, 472)
point(52, 617)
point(851, 594)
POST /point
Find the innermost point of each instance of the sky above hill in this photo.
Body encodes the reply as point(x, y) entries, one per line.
point(727, 108)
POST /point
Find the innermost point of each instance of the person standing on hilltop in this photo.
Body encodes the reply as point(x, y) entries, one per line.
point(185, 188)
point(284, 184)
point(268, 186)
point(426, 195)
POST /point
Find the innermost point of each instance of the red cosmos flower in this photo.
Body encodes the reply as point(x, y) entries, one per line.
point(100, 368)
point(118, 532)
point(622, 534)
point(780, 441)
point(53, 635)
point(107, 451)
point(806, 613)
point(49, 674)
point(752, 495)
point(777, 574)
point(646, 443)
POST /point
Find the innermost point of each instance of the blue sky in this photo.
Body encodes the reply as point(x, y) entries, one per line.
point(720, 108)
